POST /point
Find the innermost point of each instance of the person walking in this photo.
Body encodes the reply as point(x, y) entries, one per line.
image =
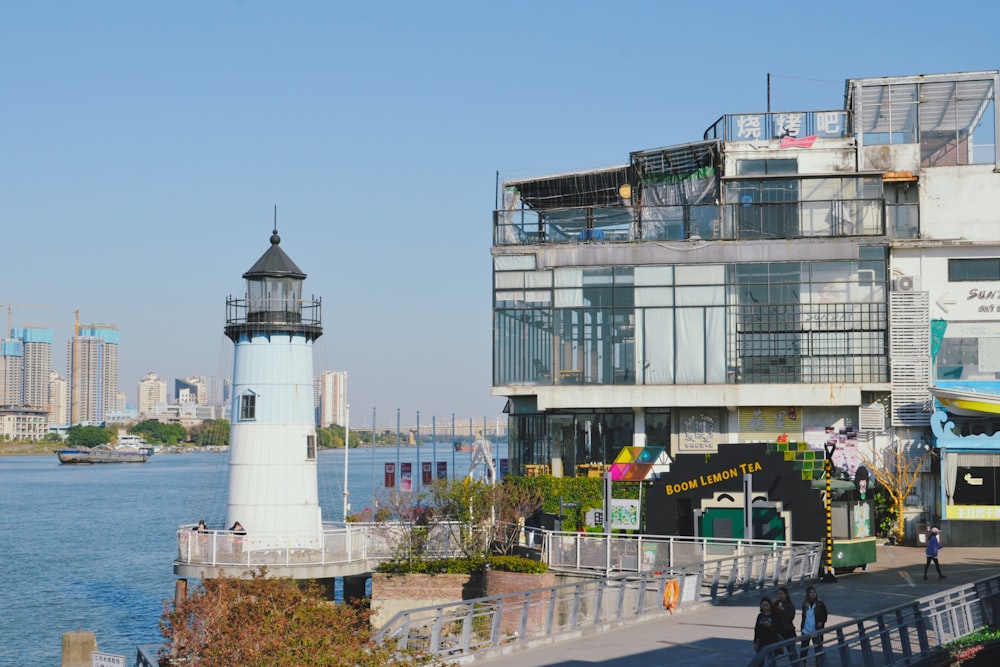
point(766, 629)
point(784, 608)
point(933, 547)
point(814, 617)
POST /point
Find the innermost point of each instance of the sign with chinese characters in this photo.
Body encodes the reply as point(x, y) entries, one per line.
point(982, 512)
point(768, 424)
point(390, 475)
point(699, 431)
point(792, 129)
point(106, 660)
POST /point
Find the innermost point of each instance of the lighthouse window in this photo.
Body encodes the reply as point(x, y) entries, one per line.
point(310, 447)
point(248, 406)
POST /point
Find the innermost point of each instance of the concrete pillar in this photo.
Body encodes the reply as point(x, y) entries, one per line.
point(77, 648)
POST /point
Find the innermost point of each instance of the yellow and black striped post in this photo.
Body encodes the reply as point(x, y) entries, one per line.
point(829, 575)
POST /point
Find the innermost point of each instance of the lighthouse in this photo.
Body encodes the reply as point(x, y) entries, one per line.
point(272, 491)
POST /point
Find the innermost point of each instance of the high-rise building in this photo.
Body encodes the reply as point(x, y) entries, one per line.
point(11, 371)
point(152, 390)
point(330, 392)
point(58, 399)
point(92, 363)
point(37, 345)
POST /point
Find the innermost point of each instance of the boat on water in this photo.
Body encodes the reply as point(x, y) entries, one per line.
point(128, 449)
point(965, 402)
point(463, 446)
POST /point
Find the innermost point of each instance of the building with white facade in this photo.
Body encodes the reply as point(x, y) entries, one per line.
point(788, 278)
point(152, 390)
point(58, 400)
point(330, 392)
point(23, 423)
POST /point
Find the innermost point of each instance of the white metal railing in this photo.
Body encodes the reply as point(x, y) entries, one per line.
point(470, 626)
point(903, 635)
point(338, 544)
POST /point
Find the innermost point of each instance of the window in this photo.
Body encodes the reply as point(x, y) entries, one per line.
point(310, 447)
point(767, 167)
point(964, 270)
point(248, 406)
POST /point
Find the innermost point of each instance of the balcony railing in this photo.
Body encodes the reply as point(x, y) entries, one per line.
point(734, 221)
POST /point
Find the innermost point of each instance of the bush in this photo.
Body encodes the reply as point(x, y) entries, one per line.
point(462, 565)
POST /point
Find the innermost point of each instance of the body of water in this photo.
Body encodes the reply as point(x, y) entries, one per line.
point(92, 547)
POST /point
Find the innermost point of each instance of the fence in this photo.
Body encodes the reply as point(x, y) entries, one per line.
point(518, 620)
point(903, 635)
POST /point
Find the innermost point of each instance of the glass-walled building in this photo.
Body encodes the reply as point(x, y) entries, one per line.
point(759, 284)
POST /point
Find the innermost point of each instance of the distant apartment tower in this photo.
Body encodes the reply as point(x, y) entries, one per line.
point(192, 389)
point(152, 390)
point(58, 399)
point(11, 371)
point(330, 392)
point(92, 363)
point(37, 346)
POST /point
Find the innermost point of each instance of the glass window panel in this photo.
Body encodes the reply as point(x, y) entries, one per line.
point(658, 346)
point(973, 269)
point(624, 275)
point(538, 279)
point(654, 296)
point(509, 280)
point(514, 262)
point(538, 296)
point(701, 274)
point(704, 295)
point(654, 275)
point(569, 298)
point(597, 277)
point(691, 339)
point(568, 277)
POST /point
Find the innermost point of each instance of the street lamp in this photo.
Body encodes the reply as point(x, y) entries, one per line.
point(829, 447)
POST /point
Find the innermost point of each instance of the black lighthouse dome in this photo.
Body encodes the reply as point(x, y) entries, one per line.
point(273, 302)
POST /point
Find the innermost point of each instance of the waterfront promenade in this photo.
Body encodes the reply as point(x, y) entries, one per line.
point(721, 635)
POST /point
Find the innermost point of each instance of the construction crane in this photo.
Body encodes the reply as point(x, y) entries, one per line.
point(10, 312)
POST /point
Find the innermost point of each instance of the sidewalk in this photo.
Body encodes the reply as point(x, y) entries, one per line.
point(721, 635)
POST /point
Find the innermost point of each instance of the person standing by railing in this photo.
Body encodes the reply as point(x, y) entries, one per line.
point(785, 610)
point(814, 617)
point(767, 627)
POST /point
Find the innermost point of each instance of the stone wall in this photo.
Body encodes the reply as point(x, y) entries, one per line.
point(393, 593)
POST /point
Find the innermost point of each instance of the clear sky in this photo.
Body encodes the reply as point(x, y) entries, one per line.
point(143, 146)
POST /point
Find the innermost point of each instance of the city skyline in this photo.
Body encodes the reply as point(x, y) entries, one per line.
point(147, 145)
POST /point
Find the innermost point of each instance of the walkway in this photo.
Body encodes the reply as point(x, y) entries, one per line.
point(721, 635)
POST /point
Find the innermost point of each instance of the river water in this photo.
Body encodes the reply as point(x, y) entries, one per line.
point(92, 547)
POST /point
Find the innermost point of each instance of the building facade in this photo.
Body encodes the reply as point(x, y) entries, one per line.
point(92, 363)
point(795, 277)
point(11, 371)
point(191, 390)
point(23, 423)
point(37, 345)
point(330, 394)
point(58, 400)
point(152, 390)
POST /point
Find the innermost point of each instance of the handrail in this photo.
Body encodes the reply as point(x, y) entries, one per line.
point(469, 626)
point(901, 635)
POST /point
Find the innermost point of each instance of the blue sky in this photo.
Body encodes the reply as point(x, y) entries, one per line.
point(143, 146)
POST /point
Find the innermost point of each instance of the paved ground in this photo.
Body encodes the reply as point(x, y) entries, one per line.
point(721, 635)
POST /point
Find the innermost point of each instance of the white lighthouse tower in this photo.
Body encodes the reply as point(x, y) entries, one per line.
point(272, 457)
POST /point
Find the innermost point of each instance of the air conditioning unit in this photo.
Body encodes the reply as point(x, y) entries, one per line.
point(871, 417)
point(906, 284)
